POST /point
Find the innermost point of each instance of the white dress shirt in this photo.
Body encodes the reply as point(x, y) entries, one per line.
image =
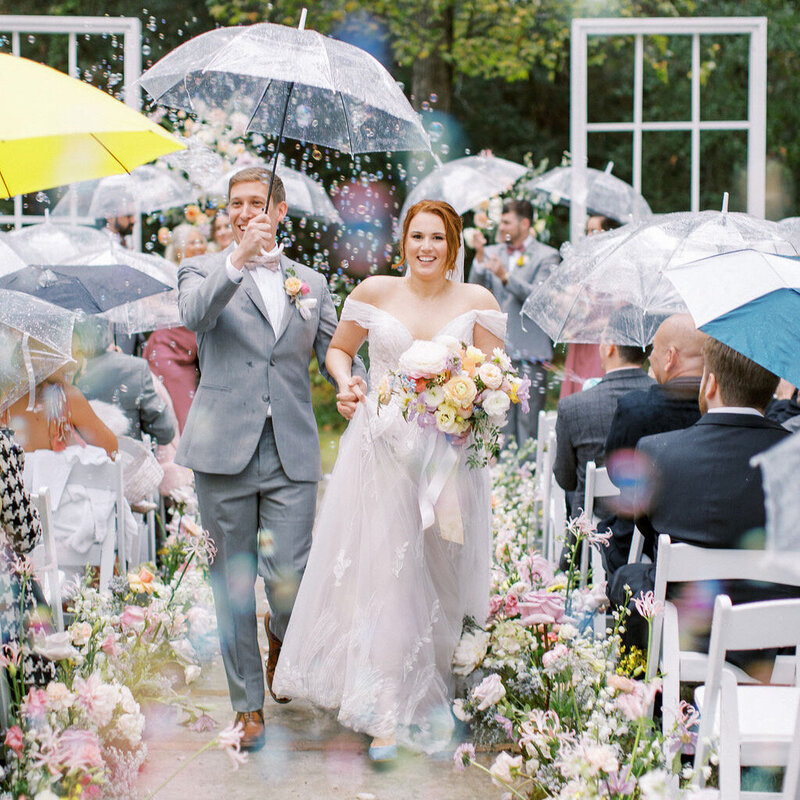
point(736, 410)
point(270, 286)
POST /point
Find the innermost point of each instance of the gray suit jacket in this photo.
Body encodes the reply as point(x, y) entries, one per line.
point(246, 367)
point(584, 420)
point(530, 342)
point(127, 382)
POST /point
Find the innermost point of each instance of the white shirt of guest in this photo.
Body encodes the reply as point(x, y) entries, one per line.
point(270, 287)
point(736, 410)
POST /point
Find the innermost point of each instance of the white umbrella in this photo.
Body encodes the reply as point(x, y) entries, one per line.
point(466, 182)
point(49, 243)
point(147, 189)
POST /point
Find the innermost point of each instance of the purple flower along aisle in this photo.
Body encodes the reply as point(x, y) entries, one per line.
point(570, 714)
point(126, 653)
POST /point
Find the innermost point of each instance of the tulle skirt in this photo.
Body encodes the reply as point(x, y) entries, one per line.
point(380, 607)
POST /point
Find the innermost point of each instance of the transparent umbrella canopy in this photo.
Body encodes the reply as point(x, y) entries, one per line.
point(599, 191)
point(35, 341)
point(309, 86)
point(147, 189)
point(624, 268)
point(466, 182)
point(50, 243)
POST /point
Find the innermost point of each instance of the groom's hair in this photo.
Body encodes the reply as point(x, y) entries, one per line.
point(452, 228)
point(262, 175)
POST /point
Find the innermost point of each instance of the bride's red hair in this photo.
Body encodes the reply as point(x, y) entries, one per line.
point(452, 228)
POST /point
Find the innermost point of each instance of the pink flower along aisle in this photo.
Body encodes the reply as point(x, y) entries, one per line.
point(125, 652)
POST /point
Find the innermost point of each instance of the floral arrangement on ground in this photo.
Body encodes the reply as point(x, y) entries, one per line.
point(571, 712)
point(126, 651)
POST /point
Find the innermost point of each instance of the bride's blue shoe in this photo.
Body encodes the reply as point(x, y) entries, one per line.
point(383, 754)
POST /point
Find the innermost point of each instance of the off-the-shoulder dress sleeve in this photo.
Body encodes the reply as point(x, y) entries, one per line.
point(362, 314)
point(493, 321)
point(18, 517)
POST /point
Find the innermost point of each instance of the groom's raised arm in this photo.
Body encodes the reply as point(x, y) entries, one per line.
point(327, 325)
point(203, 292)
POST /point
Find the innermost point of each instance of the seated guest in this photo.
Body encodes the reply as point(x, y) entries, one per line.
point(676, 363)
point(584, 418)
point(61, 417)
point(785, 408)
point(125, 381)
point(172, 352)
point(708, 494)
point(20, 530)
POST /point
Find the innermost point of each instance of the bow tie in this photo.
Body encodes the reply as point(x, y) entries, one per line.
point(270, 261)
point(515, 248)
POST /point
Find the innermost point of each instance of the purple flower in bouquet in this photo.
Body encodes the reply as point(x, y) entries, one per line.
point(506, 724)
point(541, 607)
point(524, 393)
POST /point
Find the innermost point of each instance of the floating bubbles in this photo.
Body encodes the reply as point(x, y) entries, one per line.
point(316, 154)
point(434, 98)
point(435, 131)
point(634, 475)
point(303, 115)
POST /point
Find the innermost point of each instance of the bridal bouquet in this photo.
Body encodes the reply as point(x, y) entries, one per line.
point(458, 389)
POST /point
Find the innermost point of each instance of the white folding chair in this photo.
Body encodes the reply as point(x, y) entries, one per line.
point(546, 425)
point(682, 563)
point(791, 780)
point(553, 508)
point(598, 484)
point(106, 477)
point(48, 568)
point(755, 724)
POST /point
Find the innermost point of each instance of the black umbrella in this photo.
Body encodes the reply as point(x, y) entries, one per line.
point(93, 289)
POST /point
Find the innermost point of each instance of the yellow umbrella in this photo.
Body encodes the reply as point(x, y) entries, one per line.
point(55, 129)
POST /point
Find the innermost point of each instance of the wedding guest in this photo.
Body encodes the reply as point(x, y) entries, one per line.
point(61, 417)
point(221, 232)
point(172, 352)
point(676, 363)
point(784, 408)
point(708, 493)
point(20, 530)
point(511, 270)
point(583, 358)
point(126, 381)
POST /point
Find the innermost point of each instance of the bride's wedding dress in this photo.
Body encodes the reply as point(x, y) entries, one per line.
point(380, 608)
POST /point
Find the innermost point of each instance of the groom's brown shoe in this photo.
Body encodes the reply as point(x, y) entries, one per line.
point(252, 729)
point(272, 660)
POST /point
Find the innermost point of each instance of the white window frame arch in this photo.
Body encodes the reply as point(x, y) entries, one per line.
point(129, 28)
point(755, 124)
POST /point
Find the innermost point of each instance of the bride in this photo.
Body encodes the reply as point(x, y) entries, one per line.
point(380, 608)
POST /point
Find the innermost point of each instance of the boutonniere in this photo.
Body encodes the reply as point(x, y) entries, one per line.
point(297, 291)
point(522, 260)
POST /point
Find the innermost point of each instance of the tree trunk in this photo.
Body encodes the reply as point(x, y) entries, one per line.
point(434, 75)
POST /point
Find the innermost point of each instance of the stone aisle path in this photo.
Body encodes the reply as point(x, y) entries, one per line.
point(308, 755)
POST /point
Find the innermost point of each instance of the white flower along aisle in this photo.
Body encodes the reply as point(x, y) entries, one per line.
point(142, 643)
point(574, 712)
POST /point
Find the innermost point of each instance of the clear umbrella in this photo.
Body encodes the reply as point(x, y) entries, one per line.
point(35, 341)
point(304, 195)
point(198, 161)
point(10, 260)
point(466, 182)
point(624, 268)
point(48, 243)
point(290, 81)
point(599, 191)
point(147, 189)
point(149, 313)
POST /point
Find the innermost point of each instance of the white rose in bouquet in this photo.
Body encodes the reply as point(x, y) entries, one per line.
point(496, 403)
point(491, 375)
point(489, 692)
point(470, 651)
point(424, 359)
point(450, 342)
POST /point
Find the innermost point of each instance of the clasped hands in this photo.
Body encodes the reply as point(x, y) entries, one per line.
point(493, 264)
point(350, 395)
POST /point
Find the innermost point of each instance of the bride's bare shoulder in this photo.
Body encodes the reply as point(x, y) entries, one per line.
point(478, 297)
point(375, 289)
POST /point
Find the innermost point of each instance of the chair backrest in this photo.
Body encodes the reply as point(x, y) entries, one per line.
point(684, 563)
point(791, 780)
point(750, 626)
point(544, 466)
point(598, 484)
point(49, 569)
point(106, 477)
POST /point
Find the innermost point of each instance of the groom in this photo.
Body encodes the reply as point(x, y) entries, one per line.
point(250, 436)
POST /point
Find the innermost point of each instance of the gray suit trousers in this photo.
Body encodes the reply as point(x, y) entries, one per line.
point(233, 508)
